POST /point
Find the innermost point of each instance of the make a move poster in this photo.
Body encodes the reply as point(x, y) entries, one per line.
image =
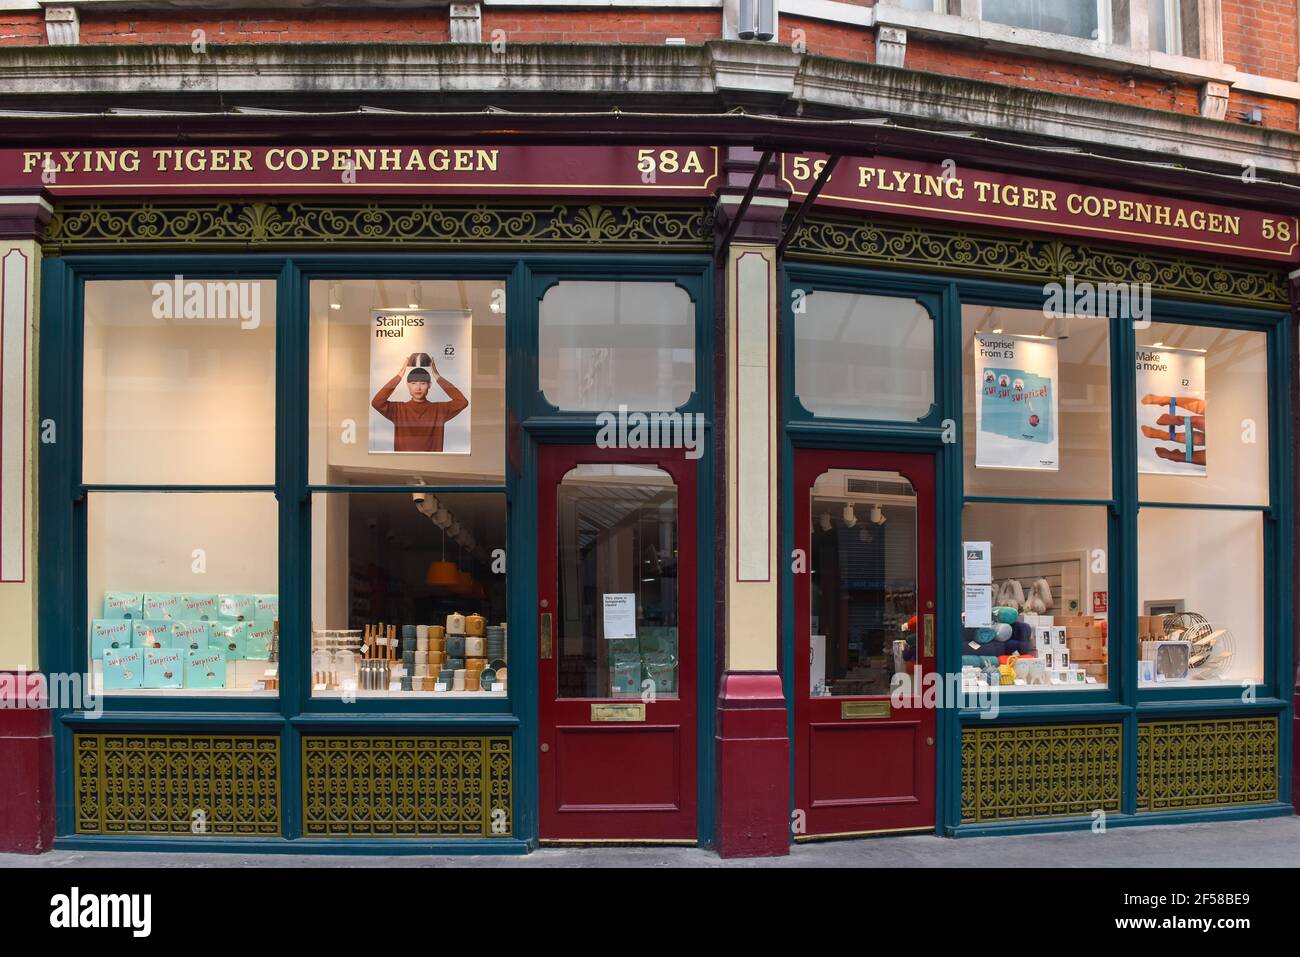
point(1016, 412)
point(1171, 411)
point(420, 381)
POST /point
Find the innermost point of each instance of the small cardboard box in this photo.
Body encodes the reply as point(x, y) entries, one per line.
point(259, 639)
point(1059, 639)
point(106, 633)
point(205, 669)
point(160, 606)
point(625, 674)
point(123, 604)
point(151, 634)
point(197, 606)
point(164, 668)
point(230, 638)
point(266, 607)
point(123, 669)
point(190, 635)
point(1087, 649)
point(236, 607)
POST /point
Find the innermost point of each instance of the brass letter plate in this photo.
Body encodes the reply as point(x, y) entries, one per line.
point(618, 712)
point(863, 709)
point(929, 636)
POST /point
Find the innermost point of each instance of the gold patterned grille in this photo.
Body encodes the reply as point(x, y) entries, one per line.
point(1014, 772)
point(406, 786)
point(1034, 258)
point(415, 225)
point(1207, 763)
point(177, 784)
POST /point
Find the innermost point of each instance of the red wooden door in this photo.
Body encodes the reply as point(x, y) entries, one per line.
point(864, 610)
point(617, 644)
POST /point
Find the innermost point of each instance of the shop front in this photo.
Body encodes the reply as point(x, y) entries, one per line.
point(488, 495)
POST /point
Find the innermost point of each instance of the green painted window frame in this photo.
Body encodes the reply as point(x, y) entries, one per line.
point(1121, 698)
point(62, 593)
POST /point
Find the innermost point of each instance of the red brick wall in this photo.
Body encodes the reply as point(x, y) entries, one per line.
point(1260, 36)
point(22, 28)
point(830, 39)
point(262, 26)
point(594, 26)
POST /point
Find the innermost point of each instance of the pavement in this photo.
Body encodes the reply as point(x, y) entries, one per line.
point(1274, 842)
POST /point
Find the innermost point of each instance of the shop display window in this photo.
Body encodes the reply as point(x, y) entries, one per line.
point(1200, 597)
point(1216, 381)
point(409, 595)
point(1036, 596)
point(182, 593)
point(408, 382)
point(863, 357)
point(617, 613)
point(608, 344)
point(178, 382)
point(864, 582)
point(1036, 403)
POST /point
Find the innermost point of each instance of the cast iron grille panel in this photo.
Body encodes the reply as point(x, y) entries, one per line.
point(166, 784)
point(1016, 772)
point(406, 786)
point(1184, 765)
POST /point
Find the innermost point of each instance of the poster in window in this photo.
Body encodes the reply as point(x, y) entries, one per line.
point(1171, 411)
point(420, 381)
point(1015, 403)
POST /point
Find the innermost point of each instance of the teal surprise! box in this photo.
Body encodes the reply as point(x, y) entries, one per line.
point(230, 638)
point(160, 606)
point(236, 607)
point(205, 669)
point(123, 669)
point(151, 634)
point(190, 635)
point(266, 607)
point(164, 668)
point(123, 604)
point(198, 607)
point(257, 645)
point(625, 674)
point(110, 633)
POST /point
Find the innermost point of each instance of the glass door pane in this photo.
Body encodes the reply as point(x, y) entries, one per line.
point(616, 621)
point(863, 564)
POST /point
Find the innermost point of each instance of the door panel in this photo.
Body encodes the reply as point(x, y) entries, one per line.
point(864, 612)
point(617, 644)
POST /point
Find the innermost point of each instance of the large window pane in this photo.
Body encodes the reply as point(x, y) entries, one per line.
point(408, 595)
point(863, 357)
point(1217, 380)
point(178, 384)
point(1082, 426)
point(1201, 581)
point(408, 381)
point(1050, 594)
point(606, 344)
point(863, 566)
point(181, 592)
point(1075, 18)
point(617, 536)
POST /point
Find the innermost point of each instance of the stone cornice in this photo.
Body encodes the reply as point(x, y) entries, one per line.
point(716, 76)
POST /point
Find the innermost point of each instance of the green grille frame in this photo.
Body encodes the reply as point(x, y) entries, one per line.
point(407, 786)
point(1204, 763)
point(1018, 772)
point(168, 784)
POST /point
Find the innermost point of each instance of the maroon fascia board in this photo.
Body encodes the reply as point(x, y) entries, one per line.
point(759, 132)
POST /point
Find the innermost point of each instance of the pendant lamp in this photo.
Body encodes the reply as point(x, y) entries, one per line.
point(443, 572)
